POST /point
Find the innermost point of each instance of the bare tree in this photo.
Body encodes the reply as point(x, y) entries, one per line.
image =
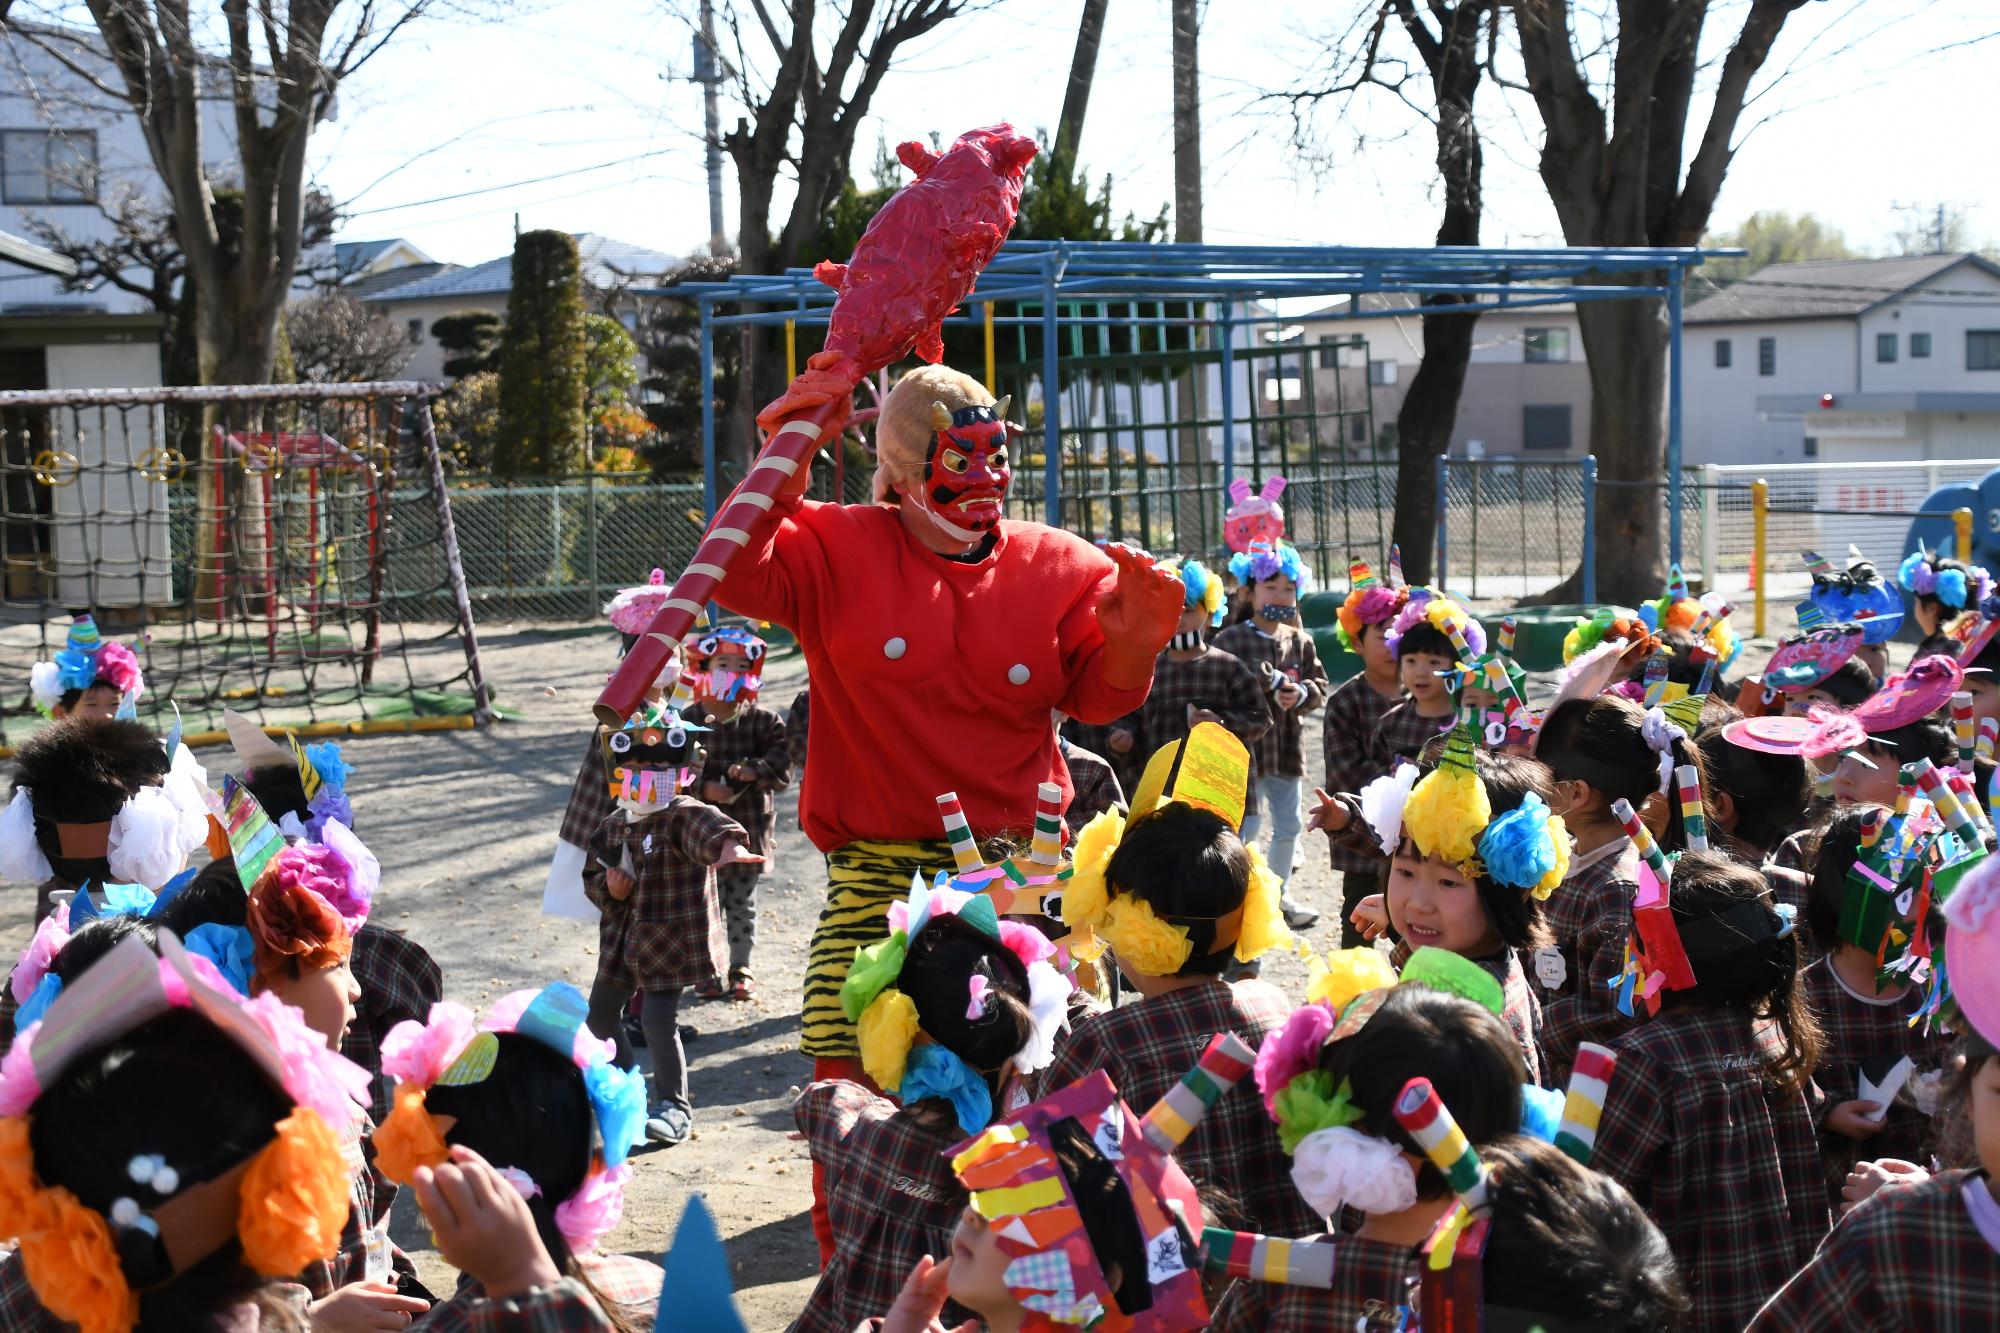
point(1076, 94)
point(281, 66)
point(336, 339)
point(1187, 123)
point(804, 119)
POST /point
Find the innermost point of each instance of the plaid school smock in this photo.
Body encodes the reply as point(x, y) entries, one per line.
point(1855, 1028)
point(1725, 1164)
point(631, 1285)
point(1909, 1258)
point(1590, 916)
point(1279, 752)
point(1370, 1277)
point(1095, 738)
point(1353, 713)
point(667, 933)
point(754, 737)
point(1095, 781)
point(890, 1194)
point(590, 798)
point(1400, 735)
point(1790, 879)
point(1216, 681)
point(399, 980)
point(1147, 1045)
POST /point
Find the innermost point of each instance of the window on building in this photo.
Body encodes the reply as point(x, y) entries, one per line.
point(1920, 346)
point(1982, 349)
point(1812, 446)
point(416, 333)
point(1329, 352)
point(1547, 345)
point(1885, 347)
point(1767, 356)
point(1357, 430)
point(48, 166)
point(1722, 353)
point(1381, 372)
point(1545, 426)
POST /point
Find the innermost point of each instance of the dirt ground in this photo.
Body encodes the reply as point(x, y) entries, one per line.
point(465, 823)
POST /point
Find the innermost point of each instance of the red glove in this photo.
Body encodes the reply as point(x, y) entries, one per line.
point(1137, 616)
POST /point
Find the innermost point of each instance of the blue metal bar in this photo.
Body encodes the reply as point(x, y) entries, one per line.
point(1438, 575)
point(1588, 466)
point(1051, 397)
point(707, 413)
point(1229, 401)
point(1674, 423)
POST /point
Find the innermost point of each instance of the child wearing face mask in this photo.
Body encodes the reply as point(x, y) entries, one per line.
point(1273, 646)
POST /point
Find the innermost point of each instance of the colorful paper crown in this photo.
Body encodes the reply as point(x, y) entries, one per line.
point(1203, 589)
point(1253, 518)
point(1901, 870)
point(654, 755)
point(447, 1049)
point(1210, 770)
point(1263, 560)
point(716, 685)
point(631, 610)
point(1909, 695)
point(1704, 619)
point(1855, 595)
point(86, 659)
point(1443, 614)
point(1017, 885)
point(1019, 1185)
point(886, 1020)
point(1369, 602)
point(1960, 589)
point(1804, 660)
point(284, 1206)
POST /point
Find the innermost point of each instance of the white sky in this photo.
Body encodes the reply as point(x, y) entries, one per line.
point(552, 95)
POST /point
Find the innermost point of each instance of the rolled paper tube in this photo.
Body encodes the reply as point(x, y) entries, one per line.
point(1583, 1103)
point(1810, 617)
point(1506, 641)
point(1395, 565)
point(1693, 820)
point(1989, 737)
point(1701, 625)
point(1456, 633)
point(1628, 819)
point(1931, 782)
point(1708, 669)
point(1260, 1258)
point(1424, 1116)
point(1967, 797)
point(684, 686)
point(1175, 1115)
point(964, 851)
point(1046, 848)
point(1966, 727)
point(1871, 827)
point(1359, 576)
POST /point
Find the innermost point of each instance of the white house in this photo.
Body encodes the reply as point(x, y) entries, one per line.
point(1876, 360)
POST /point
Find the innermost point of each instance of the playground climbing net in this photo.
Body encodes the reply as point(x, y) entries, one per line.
point(283, 550)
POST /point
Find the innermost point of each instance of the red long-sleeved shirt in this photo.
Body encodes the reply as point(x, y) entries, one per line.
point(930, 675)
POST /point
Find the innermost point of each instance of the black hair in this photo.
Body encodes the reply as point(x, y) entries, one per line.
point(1463, 1048)
point(1602, 742)
point(1929, 737)
point(1515, 915)
point(937, 971)
point(1938, 643)
point(1930, 601)
point(1831, 848)
point(177, 1087)
point(280, 790)
point(82, 771)
point(1424, 637)
point(1682, 668)
point(1850, 683)
point(1110, 1219)
point(96, 938)
point(1189, 866)
point(1770, 792)
point(214, 897)
point(1724, 913)
point(1570, 1243)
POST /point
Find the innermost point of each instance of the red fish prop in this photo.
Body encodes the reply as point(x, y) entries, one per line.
point(919, 258)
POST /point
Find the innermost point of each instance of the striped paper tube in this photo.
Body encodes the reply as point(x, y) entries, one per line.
point(1359, 576)
point(1931, 782)
point(1583, 1104)
point(1425, 1117)
point(683, 690)
point(1396, 566)
point(958, 833)
point(1965, 794)
point(1818, 565)
point(1693, 819)
point(1506, 638)
point(1175, 1115)
point(1810, 617)
point(1046, 848)
point(1456, 633)
point(1628, 819)
point(1989, 737)
point(1966, 727)
point(1993, 797)
point(1260, 1258)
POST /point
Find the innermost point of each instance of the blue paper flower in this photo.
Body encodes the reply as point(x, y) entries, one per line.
point(229, 948)
point(1541, 1111)
point(1915, 573)
point(934, 1071)
point(1951, 587)
point(325, 757)
point(618, 1097)
point(78, 668)
point(1516, 848)
point(38, 1004)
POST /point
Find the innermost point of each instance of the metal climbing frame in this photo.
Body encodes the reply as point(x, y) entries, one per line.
point(1089, 321)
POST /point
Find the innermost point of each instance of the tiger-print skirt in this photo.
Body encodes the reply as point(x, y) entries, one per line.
point(863, 878)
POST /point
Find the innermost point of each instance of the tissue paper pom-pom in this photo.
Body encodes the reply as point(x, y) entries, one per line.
point(1369, 606)
point(1557, 873)
point(1142, 941)
point(50, 936)
point(875, 968)
point(289, 920)
point(1951, 587)
point(145, 843)
point(45, 686)
point(1971, 904)
point(885, 1031)
point(1026, 943)
point(353, 893)
point(1443, 613)
point(1350, 973)
point(1048, 1007)
point(1914, 572)
point(1382, 803)
point(618, 1100)
point(409, 1138)
point(1085, 895)
point(19, 1084)
point(1516, 848)
point(1311, 1103)
point(419, 1053)
point(294, 1199)
point(1446, 812)
point(21, 857)
point(117, 666)
point(1291, 1050)
point(1262, 925)
point(594, 1211)
point(1440, 969)
point(331, 765)
point(1339, 1166)
point(67, 1253)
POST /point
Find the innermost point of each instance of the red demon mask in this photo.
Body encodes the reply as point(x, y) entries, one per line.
point(966, 470)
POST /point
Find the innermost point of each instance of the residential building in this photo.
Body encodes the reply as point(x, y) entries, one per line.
point(1851, 360)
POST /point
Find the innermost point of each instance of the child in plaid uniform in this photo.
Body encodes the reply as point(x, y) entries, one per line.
point(1354, 713)
point(1104, 740)
point(749, 758)
point(1283, 657)
point(1095, 781)
point(1707, 1122)
point(652, 878)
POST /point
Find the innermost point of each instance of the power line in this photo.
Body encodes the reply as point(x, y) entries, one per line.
point(512, 185)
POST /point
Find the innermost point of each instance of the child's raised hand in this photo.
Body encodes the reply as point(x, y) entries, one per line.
point(1371, 916)
point(1120, 741)
point(1853, 1119)
point(716, 792)
point(921, 1301)
point(362, 1306)
point(618, 883)
point(1868, 1177)
point(1328, 814)
point(482, 1225)
point(736, 854)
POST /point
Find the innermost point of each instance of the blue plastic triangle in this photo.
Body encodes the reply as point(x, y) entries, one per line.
point(696, 1296)
point(174, 736)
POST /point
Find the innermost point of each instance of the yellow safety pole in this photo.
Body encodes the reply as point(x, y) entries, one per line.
point(1760, 508)
point(1961, 524)
point(791, 350)
point(991, 377)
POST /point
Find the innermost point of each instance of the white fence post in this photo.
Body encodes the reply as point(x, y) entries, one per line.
point(1711, 482)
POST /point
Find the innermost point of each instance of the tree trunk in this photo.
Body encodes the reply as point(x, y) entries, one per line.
point(1626, 343)
point(736, 430)
point(1076, 97)
point(1187, 124)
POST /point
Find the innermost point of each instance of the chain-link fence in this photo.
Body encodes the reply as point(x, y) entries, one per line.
point(1510, 528)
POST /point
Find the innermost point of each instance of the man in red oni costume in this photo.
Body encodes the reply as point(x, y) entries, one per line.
point(939, 637)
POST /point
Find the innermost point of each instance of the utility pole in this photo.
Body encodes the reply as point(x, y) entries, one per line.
point(1187, 125)
point(708, 73)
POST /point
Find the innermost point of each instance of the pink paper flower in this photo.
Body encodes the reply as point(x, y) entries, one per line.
point(325, 872)
point(592, 1213)
point(116, 663)
point(419, 1053)
point(18, 1084)
point(1291, 1051)
point(50, 937)
point(1028, 944)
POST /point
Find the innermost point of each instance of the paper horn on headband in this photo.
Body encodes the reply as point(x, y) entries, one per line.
point(252, 745)
point(1208, 768)
point(1226, 1060)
